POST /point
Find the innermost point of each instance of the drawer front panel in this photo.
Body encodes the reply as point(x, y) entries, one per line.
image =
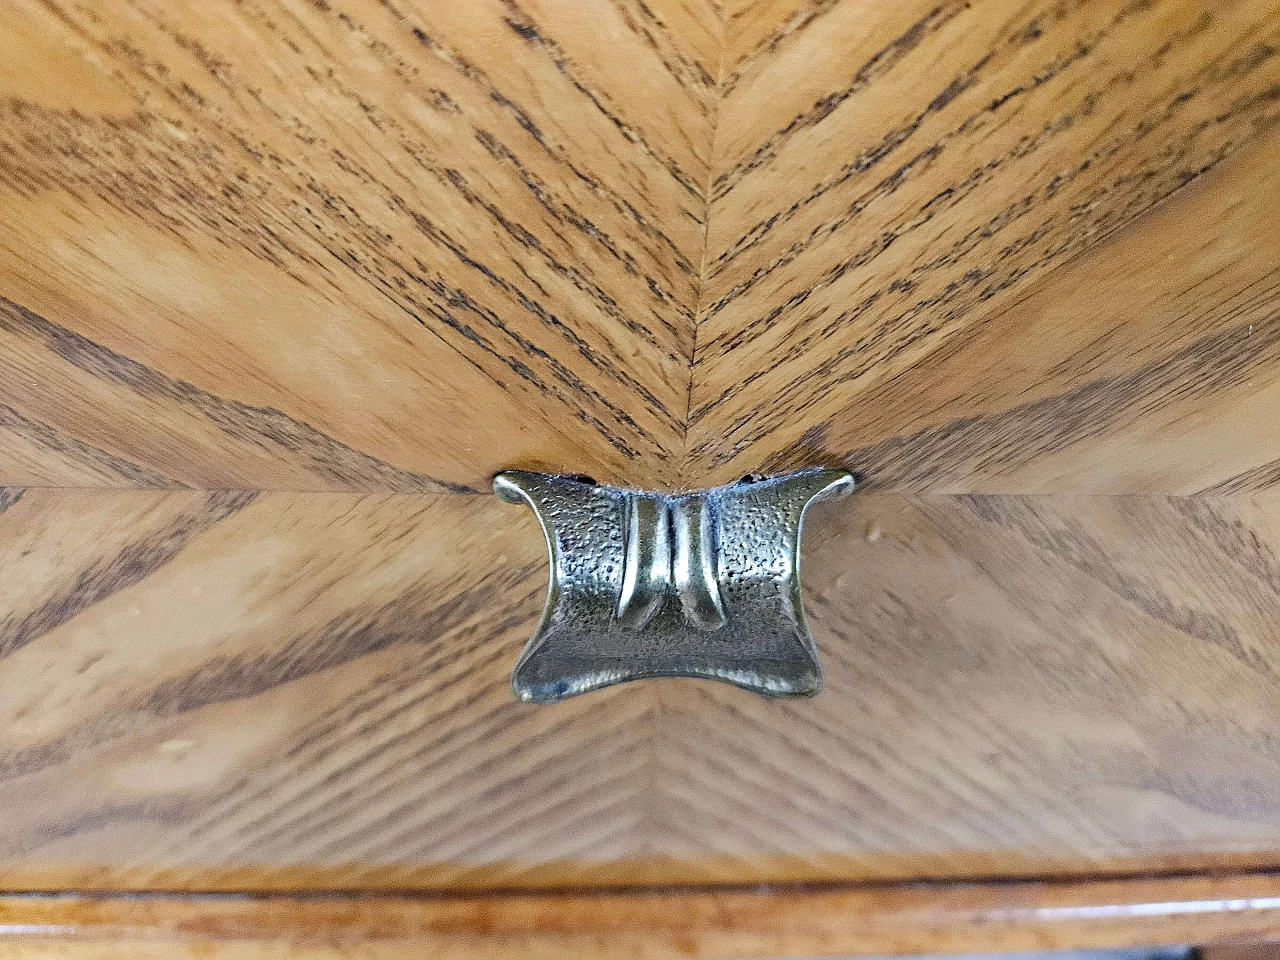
point(296, 690)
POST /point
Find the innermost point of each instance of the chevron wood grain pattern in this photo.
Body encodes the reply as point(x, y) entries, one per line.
point(1162, 382)
point(1245, 950)
point(282, 690)
point(383, 246)
point(934, 250)
point(281, 282)
point(1094, 674)
point(348, 244)
point(203, 682)
point(656, 925)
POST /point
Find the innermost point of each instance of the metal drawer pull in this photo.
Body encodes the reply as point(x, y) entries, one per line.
point(648, 585)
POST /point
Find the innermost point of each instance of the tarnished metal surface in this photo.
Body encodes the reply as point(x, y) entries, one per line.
point(646, 585)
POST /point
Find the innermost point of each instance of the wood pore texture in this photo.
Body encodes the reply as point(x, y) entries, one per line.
point(219, 690)
point(283, 284)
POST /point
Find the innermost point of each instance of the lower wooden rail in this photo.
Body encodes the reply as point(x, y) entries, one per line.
point(653, 924)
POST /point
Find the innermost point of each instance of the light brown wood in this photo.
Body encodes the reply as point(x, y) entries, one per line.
point(286, 689)
point(653, 925)
point(347, 245)
point(367, 246)
point(933, 254)
point(225, 691)
point(282, 283)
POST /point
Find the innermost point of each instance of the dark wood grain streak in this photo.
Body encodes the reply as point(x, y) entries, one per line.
point(743, 49)
point(131, 564)
point(47, 448)
point(331, 460)
point(1259, 478)
point(945, 454)
point(880, 63)
point(520, 22)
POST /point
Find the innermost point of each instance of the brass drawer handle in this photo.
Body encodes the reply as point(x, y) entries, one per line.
point(643, 584)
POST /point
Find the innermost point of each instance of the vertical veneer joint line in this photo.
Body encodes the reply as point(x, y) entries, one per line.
point(718, 94)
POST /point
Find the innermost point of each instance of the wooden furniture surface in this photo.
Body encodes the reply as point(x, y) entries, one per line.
point(283, 284)
point(655, 925)
point(384, 246)
point(207, 690)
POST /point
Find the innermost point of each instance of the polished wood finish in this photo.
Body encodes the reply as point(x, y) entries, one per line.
point(283, 284)
point(232, 691)
point(951, 273)
point(287, 245)
point(653, 925)
point(1148, 365)
point(293, 246)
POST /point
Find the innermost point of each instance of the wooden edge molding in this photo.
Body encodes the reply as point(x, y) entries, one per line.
point(757, 922)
